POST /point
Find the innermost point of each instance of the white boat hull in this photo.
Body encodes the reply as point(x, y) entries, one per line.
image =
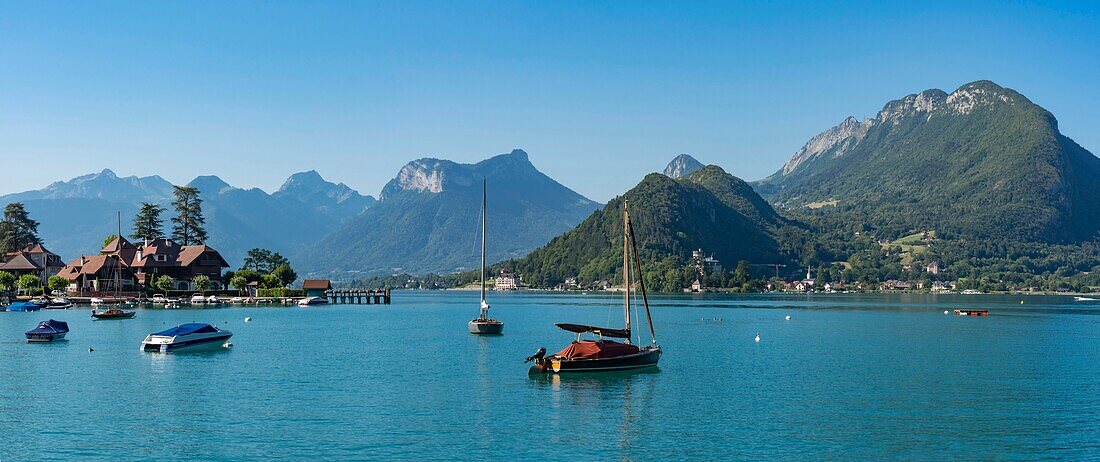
point(213, 341)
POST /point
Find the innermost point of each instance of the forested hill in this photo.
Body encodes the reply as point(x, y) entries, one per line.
point(708, 209)
point(982, 162)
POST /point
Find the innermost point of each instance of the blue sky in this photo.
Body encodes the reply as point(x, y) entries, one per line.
point(598, 93)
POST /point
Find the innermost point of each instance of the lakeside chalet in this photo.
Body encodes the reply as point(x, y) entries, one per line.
point(34, 260)
point(140, 264)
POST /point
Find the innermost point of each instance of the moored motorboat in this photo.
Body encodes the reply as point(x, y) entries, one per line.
point(48, 331)
point(198, 299)
point(189, 337)
point(112, 313)
point(1084, 299)
point(601, 354)
point(483, 324)
point(312, 301)
point(967, 312)
point(59, 303)
point(24, 306)
point(213, 300)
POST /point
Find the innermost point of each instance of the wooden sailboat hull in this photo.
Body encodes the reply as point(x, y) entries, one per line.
point(122, 315)
point(646, 358)
point(486, 327)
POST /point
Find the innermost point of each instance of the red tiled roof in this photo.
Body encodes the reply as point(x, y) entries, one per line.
point(116, 244)
point(20, 262)
point(316, 284)
point(190, 253)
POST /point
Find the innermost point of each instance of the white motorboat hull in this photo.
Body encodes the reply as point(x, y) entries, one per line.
point(201, 342)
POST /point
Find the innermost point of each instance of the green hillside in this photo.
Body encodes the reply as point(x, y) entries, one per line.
point(709, 210)
point(983, 162)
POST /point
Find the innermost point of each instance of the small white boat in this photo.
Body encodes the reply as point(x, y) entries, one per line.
point(213, 299)
point(96, 301)
point(312, 301)
point(59, 303)
point(186, 337)
point(197, 299)
point(159, 300)
point(1084, 299)
point(236, 300)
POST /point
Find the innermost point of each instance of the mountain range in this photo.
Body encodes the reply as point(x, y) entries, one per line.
point(76, 215)
point(427, 218)
point(981, 162)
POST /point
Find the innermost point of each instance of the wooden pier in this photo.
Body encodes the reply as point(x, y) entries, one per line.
point(359, 296)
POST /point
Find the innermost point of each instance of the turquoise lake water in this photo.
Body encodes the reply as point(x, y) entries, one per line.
point(872, 377)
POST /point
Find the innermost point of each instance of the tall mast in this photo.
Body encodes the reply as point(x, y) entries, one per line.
point(626, 266)
point(484, 217)
point(641, 280)
point(118, 257)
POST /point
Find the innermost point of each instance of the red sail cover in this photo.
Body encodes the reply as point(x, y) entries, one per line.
point(589, 349)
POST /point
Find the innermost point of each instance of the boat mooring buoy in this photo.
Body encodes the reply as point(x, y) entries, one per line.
point(757, 337)
point(788, 317)
point(248, 319)
point(944, 311)
point(90, 350)
point(228, 345)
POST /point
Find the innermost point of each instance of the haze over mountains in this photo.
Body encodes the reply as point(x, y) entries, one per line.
point(76, 215)
point(427, 218)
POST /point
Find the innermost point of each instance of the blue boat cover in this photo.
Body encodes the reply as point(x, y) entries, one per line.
point(23, 306)
point(50, 327)
point(185, 329)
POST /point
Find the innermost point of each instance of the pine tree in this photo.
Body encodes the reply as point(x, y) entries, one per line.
point(17, 229)
point(188, 224)
point(147, 223)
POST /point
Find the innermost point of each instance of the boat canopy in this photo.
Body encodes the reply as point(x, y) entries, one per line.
point(589, 349)
point(604, 331)
point(23, 306)
point(186, 329)
point(50, 327)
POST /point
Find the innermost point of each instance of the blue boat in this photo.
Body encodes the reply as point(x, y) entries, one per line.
point(23, 306)
point(48, 331)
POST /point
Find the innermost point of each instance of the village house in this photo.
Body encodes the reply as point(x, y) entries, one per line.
point(506, 280)
point(932, 268)
point(34, 260)
point(139, 265)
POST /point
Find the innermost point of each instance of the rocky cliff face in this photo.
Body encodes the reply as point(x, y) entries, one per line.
point(427, 218)
point(683, 165)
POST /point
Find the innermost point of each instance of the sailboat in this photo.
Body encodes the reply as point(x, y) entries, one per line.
point(603, 355)
point(113, 312)
point(483, 324)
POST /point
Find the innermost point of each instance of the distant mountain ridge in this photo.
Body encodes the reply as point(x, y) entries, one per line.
point(426, 219)
point(76, 215)
point(982, 162)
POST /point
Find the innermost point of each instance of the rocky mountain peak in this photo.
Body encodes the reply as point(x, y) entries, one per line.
point(844, 135)
point(209, 184)
point(923, 103)
point(681, 166)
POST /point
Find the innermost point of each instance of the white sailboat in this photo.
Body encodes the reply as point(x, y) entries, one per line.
point(484, 324)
